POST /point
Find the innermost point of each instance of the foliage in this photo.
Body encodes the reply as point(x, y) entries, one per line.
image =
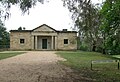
point(81, 61)
point(99, 29)
point(84, 47)
point(24, 5)
point(110, 26)
point(4, 35)
point(87, 20)
point(20, 28)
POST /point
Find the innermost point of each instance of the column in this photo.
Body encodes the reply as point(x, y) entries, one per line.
point(32, 42)
point(56, 42)
point(35, 42)
point(52, 43)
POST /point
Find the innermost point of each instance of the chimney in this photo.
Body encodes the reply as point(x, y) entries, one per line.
point(64, 30)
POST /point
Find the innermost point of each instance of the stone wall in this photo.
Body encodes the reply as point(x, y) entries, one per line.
point(29, 40)
point(15, 40)
point(72, 41)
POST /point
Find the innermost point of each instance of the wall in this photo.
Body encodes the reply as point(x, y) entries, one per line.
point(29, 41)
point(72, 41)
point(44, 28)
point(15, 40)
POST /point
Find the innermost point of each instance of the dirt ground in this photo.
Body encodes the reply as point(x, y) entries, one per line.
point(36, 66)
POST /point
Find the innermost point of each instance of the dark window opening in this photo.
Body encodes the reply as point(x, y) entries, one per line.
point(65, 41)
point(22, 41)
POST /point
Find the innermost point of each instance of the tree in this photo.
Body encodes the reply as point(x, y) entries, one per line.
point(87, 20)
point(110, 26)
point(24, 28)
point(24, 5)
point(4, 36)
point(20, 28)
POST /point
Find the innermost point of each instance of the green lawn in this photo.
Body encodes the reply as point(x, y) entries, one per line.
point(8, 54)
point(81, 62)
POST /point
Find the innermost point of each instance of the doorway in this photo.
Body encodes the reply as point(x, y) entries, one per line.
point(44, 43)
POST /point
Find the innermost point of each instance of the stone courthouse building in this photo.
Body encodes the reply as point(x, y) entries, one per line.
point(43, 38)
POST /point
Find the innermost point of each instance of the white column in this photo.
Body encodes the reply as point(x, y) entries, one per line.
point(32, 42)
point(35, 42)
point(56, 42)
point(52, 43)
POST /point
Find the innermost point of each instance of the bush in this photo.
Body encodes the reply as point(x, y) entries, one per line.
point(84, 47)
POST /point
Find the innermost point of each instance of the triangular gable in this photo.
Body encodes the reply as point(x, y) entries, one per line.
point(44, 27)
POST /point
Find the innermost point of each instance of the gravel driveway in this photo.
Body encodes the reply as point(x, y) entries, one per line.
point(34, 66)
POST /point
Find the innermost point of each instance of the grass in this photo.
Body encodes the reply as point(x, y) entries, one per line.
point(8, 54)
point(116, 56)
point(81, 62)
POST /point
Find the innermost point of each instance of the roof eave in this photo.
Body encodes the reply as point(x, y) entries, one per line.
point(20, 30)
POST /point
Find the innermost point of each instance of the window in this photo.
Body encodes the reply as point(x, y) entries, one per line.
point(65, 41)
point(22, 41)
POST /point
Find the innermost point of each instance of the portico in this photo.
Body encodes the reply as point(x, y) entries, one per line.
point(41, 42)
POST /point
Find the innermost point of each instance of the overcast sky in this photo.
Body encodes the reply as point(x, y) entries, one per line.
point(52, 14)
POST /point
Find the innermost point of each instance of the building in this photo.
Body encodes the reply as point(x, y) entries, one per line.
point(43, 38)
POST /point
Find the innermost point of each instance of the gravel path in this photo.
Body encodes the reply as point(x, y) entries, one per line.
point(34, 66)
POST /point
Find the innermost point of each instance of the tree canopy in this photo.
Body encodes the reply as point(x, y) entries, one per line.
point(24, 5)
point(87, 20)
point(4, 36)
point(99, 28)
point(110, 25)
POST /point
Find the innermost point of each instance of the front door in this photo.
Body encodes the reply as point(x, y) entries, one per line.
point(44, 43)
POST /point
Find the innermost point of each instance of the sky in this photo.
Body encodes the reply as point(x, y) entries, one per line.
point(51, 13)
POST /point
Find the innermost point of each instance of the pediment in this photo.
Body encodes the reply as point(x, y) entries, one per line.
point(44, 28)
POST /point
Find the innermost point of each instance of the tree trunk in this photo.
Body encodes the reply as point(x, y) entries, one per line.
point(94, 46)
